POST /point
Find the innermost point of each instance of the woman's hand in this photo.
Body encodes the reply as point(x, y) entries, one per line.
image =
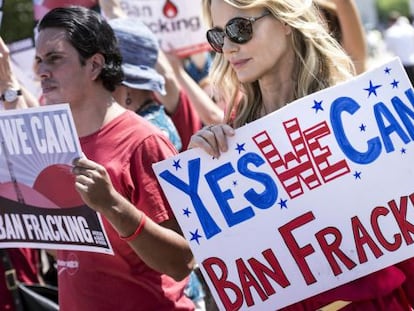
point(212, 138)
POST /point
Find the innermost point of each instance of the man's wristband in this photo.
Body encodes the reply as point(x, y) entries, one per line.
point(137, 231)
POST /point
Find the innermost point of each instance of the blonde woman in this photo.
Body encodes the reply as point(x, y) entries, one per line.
point(268, 54)
point(299, 58)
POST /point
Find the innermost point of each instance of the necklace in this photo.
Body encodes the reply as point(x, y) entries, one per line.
point(144, 104)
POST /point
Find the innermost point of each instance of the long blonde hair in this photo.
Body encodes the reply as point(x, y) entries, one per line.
point(320, 61)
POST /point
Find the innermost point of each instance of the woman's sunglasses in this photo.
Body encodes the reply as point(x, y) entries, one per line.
point(238, 30)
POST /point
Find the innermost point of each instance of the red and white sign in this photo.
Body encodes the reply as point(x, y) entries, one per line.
point(177, 23)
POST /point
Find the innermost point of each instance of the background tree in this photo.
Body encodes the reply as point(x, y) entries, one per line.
point(386, 6)
point(17, 22)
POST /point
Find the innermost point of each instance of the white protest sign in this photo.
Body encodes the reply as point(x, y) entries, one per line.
point(40, 207)
point(310, 197)
point(178, 24)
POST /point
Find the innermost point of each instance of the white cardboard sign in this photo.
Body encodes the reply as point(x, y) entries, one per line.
point(329, 174)
point(39, 205)
point(178, 24)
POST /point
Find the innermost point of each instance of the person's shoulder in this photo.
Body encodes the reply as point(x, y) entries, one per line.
point(143, 130)
point(132, 126)
point(134, 120)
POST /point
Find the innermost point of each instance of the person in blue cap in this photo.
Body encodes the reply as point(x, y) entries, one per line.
point(77, 60)
point(138, 92)
point(139, 49)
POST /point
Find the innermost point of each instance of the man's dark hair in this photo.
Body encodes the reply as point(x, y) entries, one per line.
point(89, 33)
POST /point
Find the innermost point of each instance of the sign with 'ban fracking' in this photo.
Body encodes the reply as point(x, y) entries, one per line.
point(312, 196)
point(39, 205)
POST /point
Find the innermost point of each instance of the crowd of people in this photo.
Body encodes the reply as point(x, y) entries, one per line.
point(124, 91)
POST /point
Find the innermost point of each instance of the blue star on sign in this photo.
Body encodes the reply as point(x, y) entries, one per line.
point(403, 150)
point(177, 164)
point(195, 236)
point(357, 175)
point(234, 183)
point(372, 89)
point(387, 70)
point(317, 105)
point(282, 203)
point(362, 127)
point(240, 148)
point(186, 212)
point(395, 84)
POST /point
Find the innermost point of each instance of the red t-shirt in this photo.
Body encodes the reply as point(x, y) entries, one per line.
point(127, 147)
point(186, 119)
point(25, 262)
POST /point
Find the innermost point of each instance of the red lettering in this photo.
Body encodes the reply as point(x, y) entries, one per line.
point(400, 215)
point(296, 167)
point(333, 248)
point(375, 214)
point(276, 273)
point(362, 237)
point(321, 154)
point(299, 253)
point(218, 273)
point(247, 280)
point(221, 283)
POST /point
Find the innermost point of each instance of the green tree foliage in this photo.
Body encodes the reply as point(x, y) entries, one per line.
point(386, 6)
point(18, 21)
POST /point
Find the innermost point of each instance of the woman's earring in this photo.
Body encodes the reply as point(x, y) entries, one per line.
point(128, 100)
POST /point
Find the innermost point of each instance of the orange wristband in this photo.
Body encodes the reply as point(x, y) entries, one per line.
point(137, 232)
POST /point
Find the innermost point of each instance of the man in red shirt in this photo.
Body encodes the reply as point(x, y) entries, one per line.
point(78, 61)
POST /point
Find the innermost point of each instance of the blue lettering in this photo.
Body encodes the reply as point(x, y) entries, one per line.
point(232, 218)
point(208, 224)
point(347, 104)
point(268, 197)
point(410, 95)
point(381, 112)
point(406, 115)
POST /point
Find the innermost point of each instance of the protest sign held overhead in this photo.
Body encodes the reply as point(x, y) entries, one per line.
point(40, 207)
point(310, 197)
point(177, 24)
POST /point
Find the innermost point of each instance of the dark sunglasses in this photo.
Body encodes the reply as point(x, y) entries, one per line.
point(238, 30)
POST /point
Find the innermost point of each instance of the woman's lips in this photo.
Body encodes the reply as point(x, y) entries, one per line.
point(236, 64)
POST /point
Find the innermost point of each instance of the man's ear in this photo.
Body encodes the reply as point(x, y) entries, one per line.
point(96, 63)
